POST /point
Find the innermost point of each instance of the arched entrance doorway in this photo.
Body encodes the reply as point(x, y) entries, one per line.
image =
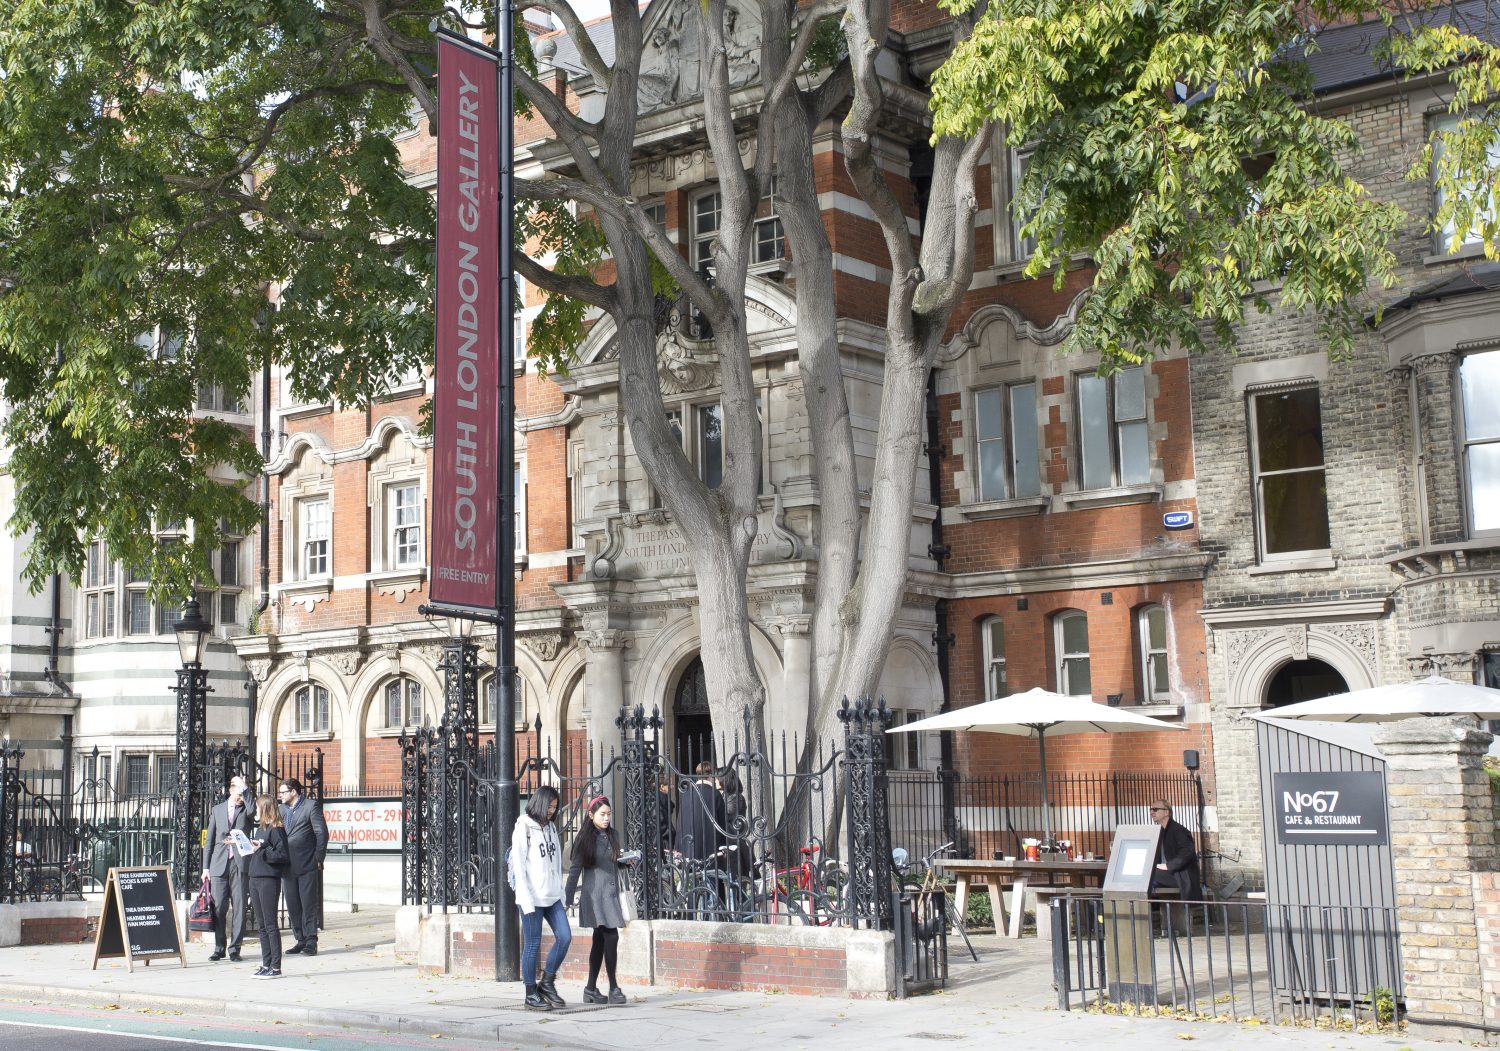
point(692, 723)
point(1304, 680)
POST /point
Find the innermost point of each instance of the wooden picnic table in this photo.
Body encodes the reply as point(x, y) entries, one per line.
point(1018, 874)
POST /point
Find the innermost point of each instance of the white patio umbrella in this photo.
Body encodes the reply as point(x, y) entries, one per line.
point(1433, 695)
point(1039, 713)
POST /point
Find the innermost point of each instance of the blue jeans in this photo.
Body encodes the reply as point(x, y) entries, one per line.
point(556, 916)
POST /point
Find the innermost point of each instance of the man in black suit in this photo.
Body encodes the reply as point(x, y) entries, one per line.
point(307, 843)
point(1176, 856)
point(228, 874)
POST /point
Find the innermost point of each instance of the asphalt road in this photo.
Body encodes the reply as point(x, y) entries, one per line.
point(27, 1027)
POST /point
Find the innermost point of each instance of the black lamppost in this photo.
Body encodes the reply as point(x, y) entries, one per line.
point(192, 745)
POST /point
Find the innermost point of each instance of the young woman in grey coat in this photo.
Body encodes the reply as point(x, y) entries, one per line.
point(596, 861)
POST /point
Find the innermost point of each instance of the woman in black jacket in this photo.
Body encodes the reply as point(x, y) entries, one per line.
point(268, 860)
point(596, 860)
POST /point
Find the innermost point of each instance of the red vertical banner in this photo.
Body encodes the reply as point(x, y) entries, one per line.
point(466, 400)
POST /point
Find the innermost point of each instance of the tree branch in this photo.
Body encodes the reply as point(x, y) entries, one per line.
point(379, 36)
point(574, 27)
point(580, 288)
point(821, 101)
point(787, 78)
point(570, 128)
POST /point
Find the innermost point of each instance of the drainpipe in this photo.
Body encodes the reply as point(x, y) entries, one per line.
point(265, 487)
point(942, 637)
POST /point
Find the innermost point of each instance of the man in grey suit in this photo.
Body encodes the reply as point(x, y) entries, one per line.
point(307, 843)
point(227, 872)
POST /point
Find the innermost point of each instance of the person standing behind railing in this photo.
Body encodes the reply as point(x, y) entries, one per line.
point(701, 817)
point(1176, 856)
point(736, 821)
point(536, 859)
point(595, 862)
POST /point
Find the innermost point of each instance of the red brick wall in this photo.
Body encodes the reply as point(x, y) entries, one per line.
point(58, 930)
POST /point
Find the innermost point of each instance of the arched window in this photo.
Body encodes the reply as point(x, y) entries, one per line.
point(490, 704)
point(403, 703)
point(312, 709)
point(992, 630)
point(1151, 637)
point(1071, 628)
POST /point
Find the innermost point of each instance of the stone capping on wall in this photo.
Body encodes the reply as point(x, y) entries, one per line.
point(48, 922)
point(829, 961)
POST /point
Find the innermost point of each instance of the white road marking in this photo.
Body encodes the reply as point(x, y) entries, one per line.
point(147, 1036)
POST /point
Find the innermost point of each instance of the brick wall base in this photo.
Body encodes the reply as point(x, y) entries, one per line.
point(680, 954)
point(48, 922)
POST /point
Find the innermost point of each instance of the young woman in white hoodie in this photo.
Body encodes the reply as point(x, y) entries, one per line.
point(536, 857)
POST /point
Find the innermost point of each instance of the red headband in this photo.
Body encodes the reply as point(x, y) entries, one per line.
point(596, 801)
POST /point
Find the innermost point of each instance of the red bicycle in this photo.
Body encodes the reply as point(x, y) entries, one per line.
point(813, 892)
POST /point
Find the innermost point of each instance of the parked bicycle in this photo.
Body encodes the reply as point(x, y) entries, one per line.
point(926, 886)
point(812, 892)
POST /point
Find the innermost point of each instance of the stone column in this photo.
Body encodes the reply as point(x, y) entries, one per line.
point(789, 711)
point(1443, 848)
point(604, 680)
point(1435, 431)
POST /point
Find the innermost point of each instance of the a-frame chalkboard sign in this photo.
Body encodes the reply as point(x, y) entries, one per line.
point(139, 921)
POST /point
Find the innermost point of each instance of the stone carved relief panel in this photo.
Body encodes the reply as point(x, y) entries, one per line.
point(672, 66)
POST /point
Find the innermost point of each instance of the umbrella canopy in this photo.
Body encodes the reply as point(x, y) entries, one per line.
point(1434, 695)
point(1039, 713)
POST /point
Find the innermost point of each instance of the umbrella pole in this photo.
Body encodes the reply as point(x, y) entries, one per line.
point(1041, 740)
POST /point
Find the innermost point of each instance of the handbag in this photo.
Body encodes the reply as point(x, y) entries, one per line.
point(628, 909)
point(201, 914)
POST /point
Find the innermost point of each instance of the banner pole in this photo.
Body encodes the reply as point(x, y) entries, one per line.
point(508, 802)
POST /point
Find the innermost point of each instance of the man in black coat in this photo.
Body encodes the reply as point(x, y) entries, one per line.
point(228, 873)
point(1176, 856)
point(307, 843)
point(700, 817)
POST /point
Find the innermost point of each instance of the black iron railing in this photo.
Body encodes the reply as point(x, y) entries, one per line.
point(1338, 965)
point(986, 816)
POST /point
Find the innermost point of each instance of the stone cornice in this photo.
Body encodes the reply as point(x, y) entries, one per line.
point(1341, 609)
point(1188, 565)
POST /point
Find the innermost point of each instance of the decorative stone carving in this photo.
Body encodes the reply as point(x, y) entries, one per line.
point(346, 661)
point(677, 368)
point(1359, 636)
point(545, 645)
point(780, 531)
point(1296, 638)
point(672, 65)
point(602, 639)
point(792, 627)
point(1456, 666)
point(399, 587)
point(1439, 361)
point(259, 668)
point(1236, 645)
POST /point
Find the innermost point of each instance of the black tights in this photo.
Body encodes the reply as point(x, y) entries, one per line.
point(605, 950)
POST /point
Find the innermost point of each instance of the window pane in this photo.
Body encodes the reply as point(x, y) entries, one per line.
point(1289, 430)
point(413, 702)
point(1484, 485)
point(107, 601)
point(991, 470)
point(1480, 374)
point(1075, 628)
point(166, 775)
point(229, 564)
point(1135, 456)
point(91, 617)
point(711, 445)
point(1024, 463)
point(987, 414)
point(1156, 628)
point(1130, 394)
point(393, 704)
point(1093, 431)
point(138, 620)
point(1076, 671)
point(1294, 512)
point(229, 607)
point(1156, 670)
point(322, 708)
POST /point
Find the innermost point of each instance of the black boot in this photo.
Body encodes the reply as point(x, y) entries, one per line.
point(547, 986)
point(617, 996)
point(592, 995)
point(535, 1001)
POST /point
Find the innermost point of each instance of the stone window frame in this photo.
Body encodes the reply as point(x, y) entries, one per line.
point(488, 704)
point(1439, 118)
point(319, 724)
point(1007, 165)
point(311, 479)
point(1062, 655)
point(1145, 651)
point(405, 698)
point(1113, 428)
point(313, 563)
point(1302, 558)
point(906, 751)
point(1465, 444)
point(100, 590)
point(992, 661)
point(399, 463)
point(1006, 439)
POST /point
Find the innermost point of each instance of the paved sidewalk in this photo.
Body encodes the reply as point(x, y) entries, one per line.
point(357, 981)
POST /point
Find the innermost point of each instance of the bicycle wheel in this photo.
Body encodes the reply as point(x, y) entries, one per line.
point(703, 904)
